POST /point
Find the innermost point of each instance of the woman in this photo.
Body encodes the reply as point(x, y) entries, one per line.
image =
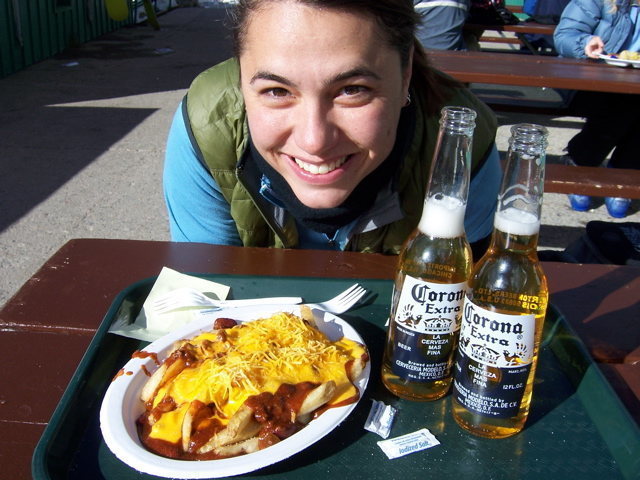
point(589, 28)
point(319, 132)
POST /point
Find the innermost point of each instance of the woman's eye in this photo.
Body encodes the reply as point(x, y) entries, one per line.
point(354, 90)
point(276, 92)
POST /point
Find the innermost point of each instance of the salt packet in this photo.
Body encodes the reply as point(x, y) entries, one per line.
point(380, 419)
point(409, 443)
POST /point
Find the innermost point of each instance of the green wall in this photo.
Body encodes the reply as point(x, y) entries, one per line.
point(33, 30)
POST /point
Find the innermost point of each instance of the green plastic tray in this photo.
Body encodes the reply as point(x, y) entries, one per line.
point(577, 428)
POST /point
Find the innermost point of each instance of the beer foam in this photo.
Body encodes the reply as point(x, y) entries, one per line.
point(442, 217)
point(517, 222)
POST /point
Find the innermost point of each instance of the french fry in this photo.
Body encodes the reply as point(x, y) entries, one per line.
point(151, 387)
point(307, 314)
point(161, 376)
point(241, 426)
point(317, 397)
point(247, 446)
point(187, 423)
point(357, 367)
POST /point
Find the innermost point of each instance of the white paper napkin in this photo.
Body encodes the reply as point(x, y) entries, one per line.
point(150, 326)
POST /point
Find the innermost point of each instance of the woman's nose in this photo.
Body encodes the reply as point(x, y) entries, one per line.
point(314, 129)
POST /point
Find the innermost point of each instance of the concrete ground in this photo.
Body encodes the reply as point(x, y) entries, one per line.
point(82, 142)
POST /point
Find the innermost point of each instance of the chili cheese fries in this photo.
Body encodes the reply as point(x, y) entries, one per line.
point(240, 388)
point(629, 55)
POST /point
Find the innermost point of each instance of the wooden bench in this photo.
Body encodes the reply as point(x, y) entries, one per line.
point(593, 181)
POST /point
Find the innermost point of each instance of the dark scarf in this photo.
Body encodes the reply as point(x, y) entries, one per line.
point(329, 220)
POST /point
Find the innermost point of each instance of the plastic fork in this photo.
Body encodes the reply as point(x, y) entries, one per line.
point(343, 302)
point(189, 297)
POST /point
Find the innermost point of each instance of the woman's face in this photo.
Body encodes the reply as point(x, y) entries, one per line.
point(323, 94)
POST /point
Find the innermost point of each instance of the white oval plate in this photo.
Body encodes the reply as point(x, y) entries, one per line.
point(121, 405)
point(619, 62)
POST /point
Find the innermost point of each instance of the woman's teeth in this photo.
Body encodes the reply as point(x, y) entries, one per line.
point(320, 169)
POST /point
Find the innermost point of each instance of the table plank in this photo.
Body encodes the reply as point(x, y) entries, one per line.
point(536, 71)
point(17, 442)
point(595, 181)
point(36, 369)
point(88, 274)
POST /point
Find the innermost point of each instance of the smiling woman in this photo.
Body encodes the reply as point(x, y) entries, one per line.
point(319, 133)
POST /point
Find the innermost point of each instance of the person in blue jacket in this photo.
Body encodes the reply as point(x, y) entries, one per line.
point(588, 29)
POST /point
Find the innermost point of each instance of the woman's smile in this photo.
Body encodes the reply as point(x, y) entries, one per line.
point(320, 169)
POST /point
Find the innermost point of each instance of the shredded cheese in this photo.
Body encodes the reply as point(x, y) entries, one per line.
point(252, 358)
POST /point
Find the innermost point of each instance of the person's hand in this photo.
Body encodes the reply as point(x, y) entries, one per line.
point(594, 47)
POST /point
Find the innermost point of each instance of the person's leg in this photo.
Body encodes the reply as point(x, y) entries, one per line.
point(625, 155)
point(627, 151)
point(609, 118)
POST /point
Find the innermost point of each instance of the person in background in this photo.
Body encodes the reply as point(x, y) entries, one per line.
point(442, 23)
point(546, 12)
point(319, 133)
point(588, 28)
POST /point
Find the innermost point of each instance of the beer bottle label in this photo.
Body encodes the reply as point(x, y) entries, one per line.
point(425, 328)
point(494, 360)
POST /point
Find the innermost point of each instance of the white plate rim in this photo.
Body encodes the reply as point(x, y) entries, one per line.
point(619, 62)
point(117, 421)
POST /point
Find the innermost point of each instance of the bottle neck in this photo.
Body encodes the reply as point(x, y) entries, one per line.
point(448, 188)
point(517, 218)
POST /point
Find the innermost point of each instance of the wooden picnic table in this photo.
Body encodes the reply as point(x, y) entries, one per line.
point(50, 322)
point(536, 71)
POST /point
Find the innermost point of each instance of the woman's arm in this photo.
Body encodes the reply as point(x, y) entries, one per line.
point(576, 27)
point(197, 210)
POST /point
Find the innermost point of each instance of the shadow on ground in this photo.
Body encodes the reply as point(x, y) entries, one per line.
point(45, 142)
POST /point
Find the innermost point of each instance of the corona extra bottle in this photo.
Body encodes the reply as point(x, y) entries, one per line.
point(433, 268)
point(506, 302)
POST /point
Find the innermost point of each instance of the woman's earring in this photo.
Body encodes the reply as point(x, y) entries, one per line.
point(408, 100)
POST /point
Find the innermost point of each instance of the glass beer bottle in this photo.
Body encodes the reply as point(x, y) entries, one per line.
point(433, 268)
point(506, 302)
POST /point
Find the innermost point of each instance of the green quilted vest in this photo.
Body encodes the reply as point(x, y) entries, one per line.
point(216, 121)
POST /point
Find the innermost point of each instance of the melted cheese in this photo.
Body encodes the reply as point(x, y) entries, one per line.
point(256, 357)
